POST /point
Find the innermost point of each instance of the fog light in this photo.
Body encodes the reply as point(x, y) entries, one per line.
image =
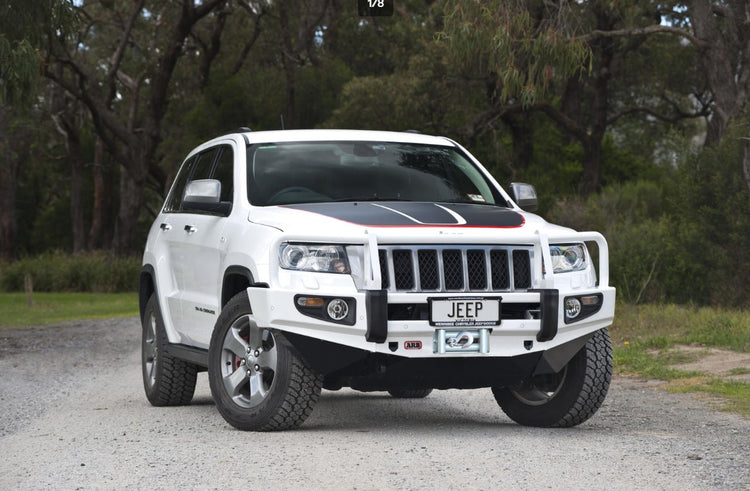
point(572, 307)
point(337, 309)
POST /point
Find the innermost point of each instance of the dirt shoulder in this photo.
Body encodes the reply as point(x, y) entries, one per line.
point(725, 364)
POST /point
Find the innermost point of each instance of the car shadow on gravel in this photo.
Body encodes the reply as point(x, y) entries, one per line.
point(358, 411)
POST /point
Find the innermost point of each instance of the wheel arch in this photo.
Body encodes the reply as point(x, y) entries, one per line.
point(146, 287)
point(236, 279)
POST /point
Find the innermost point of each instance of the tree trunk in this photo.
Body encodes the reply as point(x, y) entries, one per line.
point(9, 169)
point(76, 192)
point(521, 130)
point(8, 180)
point(746, 164)
point(131, 200)
point(718, 67)
point(592, 157)
point(288, 62)
point(98, 206)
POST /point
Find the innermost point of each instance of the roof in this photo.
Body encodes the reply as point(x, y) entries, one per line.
point(344, 135)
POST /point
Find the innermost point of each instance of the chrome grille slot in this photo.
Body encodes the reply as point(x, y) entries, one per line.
point(430, 268)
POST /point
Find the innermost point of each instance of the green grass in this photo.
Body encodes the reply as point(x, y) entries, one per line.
point(735, 396)
point(49, 308)
point(643, 337)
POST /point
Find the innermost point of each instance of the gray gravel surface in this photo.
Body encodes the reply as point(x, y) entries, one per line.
point(73, 416)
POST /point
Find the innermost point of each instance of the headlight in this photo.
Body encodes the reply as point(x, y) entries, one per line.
point(314, 257)
point(567, 258)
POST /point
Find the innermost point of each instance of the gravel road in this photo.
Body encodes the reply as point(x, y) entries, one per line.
point(73, 416)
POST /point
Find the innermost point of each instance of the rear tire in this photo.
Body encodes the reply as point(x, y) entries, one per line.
point(257, 380)
point(567, 398)
point(410, 393)
point(167, 381)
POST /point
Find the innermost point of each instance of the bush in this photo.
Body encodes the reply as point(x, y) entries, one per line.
point(686, 239)
point(98, 272)
point(630, 218)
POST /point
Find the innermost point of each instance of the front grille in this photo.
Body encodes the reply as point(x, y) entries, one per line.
point(455, 268)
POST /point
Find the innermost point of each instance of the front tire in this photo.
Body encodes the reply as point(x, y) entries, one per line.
point(257, 380)
point(167, 381)
point(567, 398)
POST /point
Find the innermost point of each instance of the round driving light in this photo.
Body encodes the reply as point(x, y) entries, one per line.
point(572, 307)
point(337, 309)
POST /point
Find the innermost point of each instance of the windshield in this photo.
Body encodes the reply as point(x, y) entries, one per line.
point(313, 172)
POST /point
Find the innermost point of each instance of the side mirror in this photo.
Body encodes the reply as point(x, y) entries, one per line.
point(204, 195)
point(524, 195)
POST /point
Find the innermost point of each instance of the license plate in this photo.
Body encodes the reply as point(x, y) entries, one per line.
point(463, 311)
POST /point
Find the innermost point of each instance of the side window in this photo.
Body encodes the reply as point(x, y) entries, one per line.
point(224, 172)
point(172, 204)
point(205, 164)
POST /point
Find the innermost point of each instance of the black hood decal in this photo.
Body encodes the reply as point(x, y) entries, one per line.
point(416, 214)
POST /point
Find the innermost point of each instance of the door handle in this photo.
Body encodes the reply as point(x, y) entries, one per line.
point(190, 229)
point(165, 227)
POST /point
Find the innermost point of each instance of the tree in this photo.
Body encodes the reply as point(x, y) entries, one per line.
point(137, 74)
point(562, 59)
point(722, 37)
point(22, 29)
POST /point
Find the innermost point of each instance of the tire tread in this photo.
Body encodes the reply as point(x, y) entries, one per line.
point(175, 378)
point(596, 381)
point(580, 397)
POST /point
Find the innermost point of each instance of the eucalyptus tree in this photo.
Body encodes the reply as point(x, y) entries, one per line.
point(119, 64)
point(23, 26)
point(565, 60)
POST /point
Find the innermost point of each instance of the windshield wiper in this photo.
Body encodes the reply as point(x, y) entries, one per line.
point(369, 198)
point(469, 202)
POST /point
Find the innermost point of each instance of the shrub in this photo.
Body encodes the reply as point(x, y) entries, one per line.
point(59, 272)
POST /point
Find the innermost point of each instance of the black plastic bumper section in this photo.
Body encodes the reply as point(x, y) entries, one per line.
point(376, 304)
point(549, 306)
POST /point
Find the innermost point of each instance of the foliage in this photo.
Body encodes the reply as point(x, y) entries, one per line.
point(522, 45)
point(682, 238)
point(574, 97)
point(23, 28)
point(58, 272)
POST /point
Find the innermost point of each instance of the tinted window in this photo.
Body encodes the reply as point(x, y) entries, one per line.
point(205, 164)
point(305, 172)
point(224, 172)
point(172, 204)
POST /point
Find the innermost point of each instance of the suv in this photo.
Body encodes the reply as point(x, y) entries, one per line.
point(284, 262)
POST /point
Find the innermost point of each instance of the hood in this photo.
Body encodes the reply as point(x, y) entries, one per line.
point(415, 214)
point(351, 217)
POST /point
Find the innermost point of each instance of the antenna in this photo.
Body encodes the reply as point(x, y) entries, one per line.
point(282, 121)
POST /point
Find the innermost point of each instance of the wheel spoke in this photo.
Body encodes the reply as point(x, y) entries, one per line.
point(151, 367)
point(257, 390)
point(234, 382)
point(149, 350)
point(267, 359)
point(149, 347)
point(255, 339)
point(234, 343)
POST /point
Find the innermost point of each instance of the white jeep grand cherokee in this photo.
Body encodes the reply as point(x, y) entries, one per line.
point(284, 262)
